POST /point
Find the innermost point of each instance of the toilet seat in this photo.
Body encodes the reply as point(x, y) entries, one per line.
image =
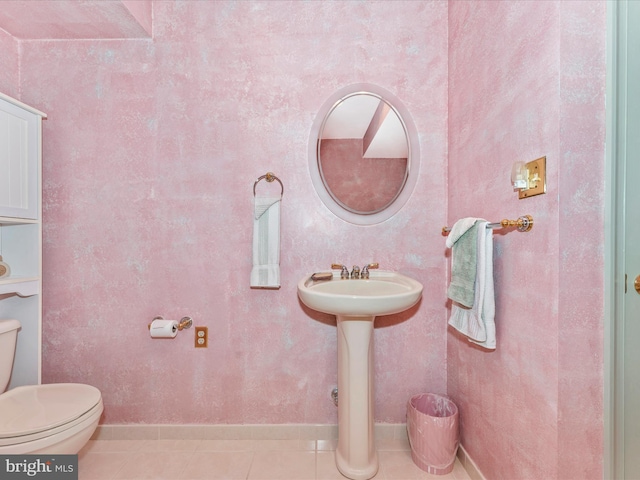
point(33, 412)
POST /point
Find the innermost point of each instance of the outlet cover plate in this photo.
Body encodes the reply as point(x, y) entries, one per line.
point(202, 337)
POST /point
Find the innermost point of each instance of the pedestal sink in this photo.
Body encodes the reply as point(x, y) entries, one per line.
point(356, 303)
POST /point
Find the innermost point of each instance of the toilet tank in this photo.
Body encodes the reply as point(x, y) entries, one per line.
point(8, 337)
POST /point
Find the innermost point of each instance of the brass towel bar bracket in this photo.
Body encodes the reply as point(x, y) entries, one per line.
point(523, 224)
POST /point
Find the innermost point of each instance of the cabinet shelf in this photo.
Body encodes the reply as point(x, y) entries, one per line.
point(23, 286)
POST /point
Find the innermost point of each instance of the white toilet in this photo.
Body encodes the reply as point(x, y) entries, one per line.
point(48, 419)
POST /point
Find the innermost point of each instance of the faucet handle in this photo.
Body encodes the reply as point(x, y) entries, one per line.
point(365, 270)
point(344, 273)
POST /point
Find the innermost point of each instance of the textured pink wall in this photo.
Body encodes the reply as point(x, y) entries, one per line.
point(151, 150)
point(581, 253)
point(142, 11)
point(526, 80)
point(9, 59)
point(60, 19)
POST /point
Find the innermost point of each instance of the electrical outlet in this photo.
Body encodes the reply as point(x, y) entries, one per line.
point(202, 337)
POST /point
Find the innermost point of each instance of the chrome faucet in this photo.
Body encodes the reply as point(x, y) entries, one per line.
point(355, 273)
point(344, 273)
point(365, 270)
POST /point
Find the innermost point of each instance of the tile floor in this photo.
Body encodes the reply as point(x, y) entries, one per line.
point(239, 459)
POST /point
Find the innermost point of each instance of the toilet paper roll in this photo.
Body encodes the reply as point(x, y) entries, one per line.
point(163, 329)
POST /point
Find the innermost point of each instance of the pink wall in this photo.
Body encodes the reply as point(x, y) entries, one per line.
point(539, 90)
point(10, 61)
point(142, 11)
point(65, 19)
point(151, 150)
point(581, 252)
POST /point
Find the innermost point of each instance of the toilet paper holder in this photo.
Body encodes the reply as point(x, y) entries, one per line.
point(185, 322)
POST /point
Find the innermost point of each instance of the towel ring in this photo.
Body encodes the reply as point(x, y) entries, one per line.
point(269, 177)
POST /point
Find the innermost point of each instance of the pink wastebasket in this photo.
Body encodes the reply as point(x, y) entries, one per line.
point(432, 425)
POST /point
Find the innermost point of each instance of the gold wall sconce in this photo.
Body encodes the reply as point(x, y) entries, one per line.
point(530, 179)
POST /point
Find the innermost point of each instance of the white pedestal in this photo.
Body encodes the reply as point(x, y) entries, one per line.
point(356, 456)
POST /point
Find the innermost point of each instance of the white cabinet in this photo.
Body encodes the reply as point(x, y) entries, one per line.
point(19, 133)
point(21, 232)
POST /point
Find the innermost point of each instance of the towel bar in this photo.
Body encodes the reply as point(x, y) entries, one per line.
point(269, 177)
point(523, 224)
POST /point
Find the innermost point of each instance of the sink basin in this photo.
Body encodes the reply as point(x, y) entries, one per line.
point(384, 293)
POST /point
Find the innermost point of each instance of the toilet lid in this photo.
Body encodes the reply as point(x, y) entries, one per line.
point(34, 408)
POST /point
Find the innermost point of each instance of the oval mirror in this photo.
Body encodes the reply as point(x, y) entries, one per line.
point(364, 154)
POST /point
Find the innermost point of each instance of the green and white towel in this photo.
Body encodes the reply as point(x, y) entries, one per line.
point(463, 241)
point(478, 322)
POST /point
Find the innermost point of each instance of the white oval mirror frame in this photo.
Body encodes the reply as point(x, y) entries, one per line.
point(412, 163)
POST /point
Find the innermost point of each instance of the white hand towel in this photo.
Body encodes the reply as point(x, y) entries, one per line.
point(266, 243)
point(478, 322)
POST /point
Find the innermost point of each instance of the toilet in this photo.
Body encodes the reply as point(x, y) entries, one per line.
point(57, 418)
